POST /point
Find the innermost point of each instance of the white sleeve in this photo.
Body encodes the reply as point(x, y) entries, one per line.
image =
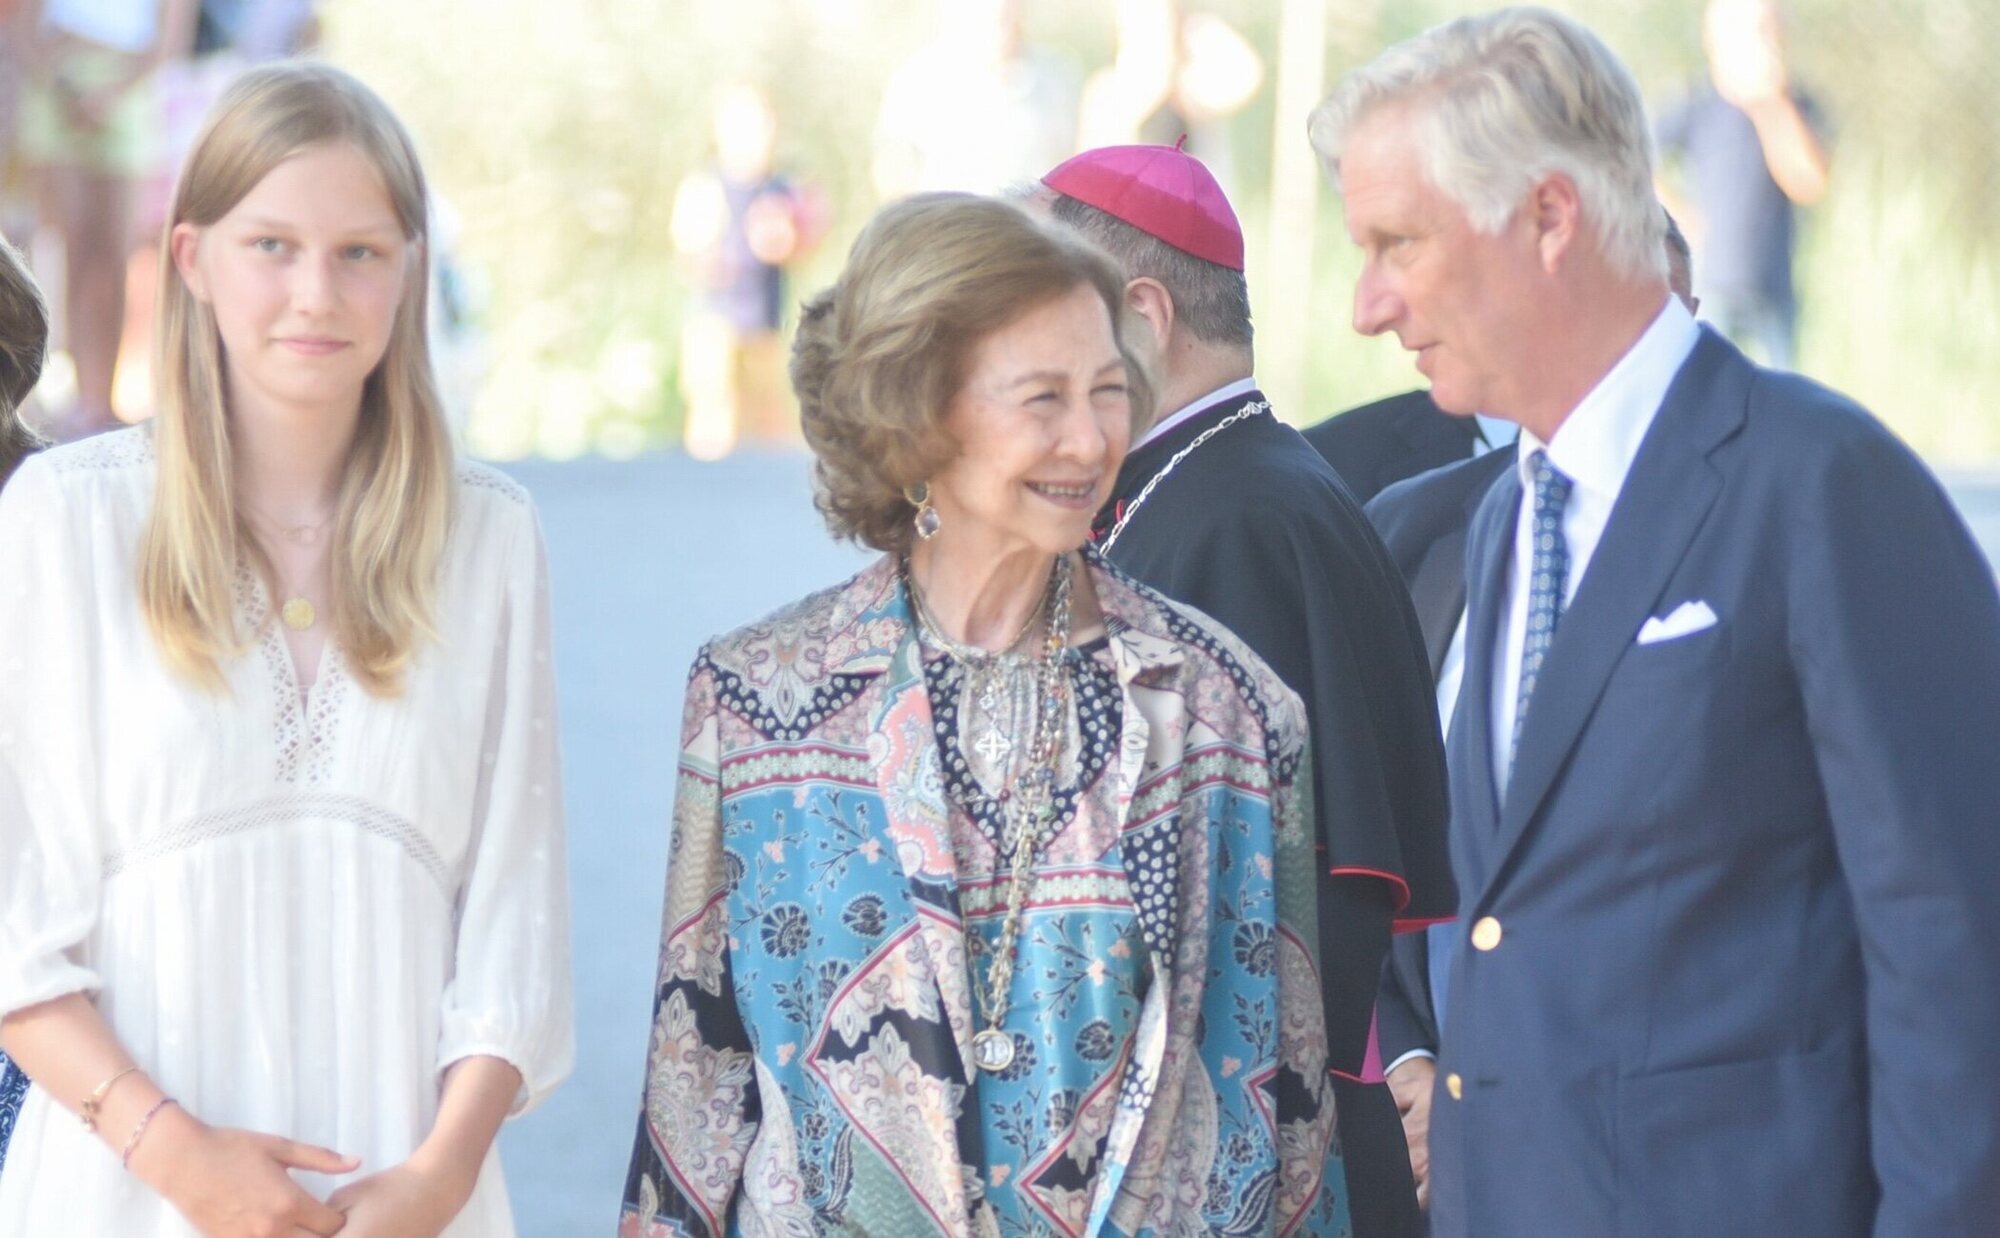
point(1426, 1054)
point(509, 995)
point(50, 852)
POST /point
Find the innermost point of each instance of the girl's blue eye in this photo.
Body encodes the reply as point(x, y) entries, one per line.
point(358, 252)
point(269, 245)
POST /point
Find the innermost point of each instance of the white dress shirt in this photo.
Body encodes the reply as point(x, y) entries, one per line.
point(1594, 447)
point(1166, 425)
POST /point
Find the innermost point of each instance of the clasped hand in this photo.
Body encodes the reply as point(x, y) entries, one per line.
point(237, 1184)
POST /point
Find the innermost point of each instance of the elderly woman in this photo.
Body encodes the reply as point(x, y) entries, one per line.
point(990, 898)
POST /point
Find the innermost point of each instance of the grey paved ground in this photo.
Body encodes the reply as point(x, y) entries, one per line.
point(649, 558)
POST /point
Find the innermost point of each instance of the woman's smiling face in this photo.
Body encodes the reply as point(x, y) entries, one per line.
point(1042, 423)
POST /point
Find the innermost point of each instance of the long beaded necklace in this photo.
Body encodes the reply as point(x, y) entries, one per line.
point(993, 678)
point(1030, 809)
point(1146, 491)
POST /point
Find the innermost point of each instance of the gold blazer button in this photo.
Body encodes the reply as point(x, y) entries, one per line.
point(1485, 933)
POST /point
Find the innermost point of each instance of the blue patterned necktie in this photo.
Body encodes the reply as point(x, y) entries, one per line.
point(1546, 579)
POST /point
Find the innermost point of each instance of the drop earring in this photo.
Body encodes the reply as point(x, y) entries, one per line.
point(927, 520)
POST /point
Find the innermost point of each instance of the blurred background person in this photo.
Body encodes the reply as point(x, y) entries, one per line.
point(1749, 146)
point(977, 108)
point(738, 224)
point(17, 31)
point(90, 126)
point(227, 37)
point(1176, 75)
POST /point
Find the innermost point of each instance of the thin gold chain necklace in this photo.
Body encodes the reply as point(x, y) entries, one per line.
point(297, 610)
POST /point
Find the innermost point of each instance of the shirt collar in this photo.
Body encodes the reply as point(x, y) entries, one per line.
point(1168, 424)
point(1596, 444)
point(1495, 432)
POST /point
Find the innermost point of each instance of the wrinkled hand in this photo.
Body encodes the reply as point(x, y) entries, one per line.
point(407, 1201)
point(234, 1183)
point(1411, 1084)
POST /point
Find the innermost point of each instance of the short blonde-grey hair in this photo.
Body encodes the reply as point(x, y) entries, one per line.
point(1503, 99)
point(881, 354)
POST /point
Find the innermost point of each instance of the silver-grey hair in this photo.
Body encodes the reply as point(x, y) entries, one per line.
point(1500, 101)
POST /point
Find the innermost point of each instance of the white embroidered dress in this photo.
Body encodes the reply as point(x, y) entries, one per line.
point(294, 913)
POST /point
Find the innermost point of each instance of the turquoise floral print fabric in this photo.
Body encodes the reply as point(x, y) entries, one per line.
point(808, 1070)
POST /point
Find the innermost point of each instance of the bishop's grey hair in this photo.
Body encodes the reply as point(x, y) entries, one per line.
point(1211, 301)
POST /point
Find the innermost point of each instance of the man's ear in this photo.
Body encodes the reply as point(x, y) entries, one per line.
point(1555, 213)
point(181, 243)
point(1149, 298)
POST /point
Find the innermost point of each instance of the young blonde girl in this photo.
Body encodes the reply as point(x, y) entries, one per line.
point(282, 875)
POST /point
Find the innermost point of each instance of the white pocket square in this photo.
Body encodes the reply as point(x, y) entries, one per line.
point(1686, 619)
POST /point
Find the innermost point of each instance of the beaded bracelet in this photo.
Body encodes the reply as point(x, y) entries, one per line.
point(125, 1157)
point(93, 1104)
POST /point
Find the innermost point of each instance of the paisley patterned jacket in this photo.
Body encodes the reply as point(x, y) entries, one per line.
point(808, 1070)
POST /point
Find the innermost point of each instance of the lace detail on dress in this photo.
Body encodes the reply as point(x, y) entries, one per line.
point(112, 450)
point(475, 476)
point(287, 808)
point(303, 731)
point(322, 711)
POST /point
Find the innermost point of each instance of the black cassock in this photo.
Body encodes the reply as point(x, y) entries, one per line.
point(1256, 530)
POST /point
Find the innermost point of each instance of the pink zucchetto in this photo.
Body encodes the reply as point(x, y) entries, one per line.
point(1162, 191)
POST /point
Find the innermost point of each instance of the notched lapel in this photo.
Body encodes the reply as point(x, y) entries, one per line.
point(1439, 594)
point(1470, 743)
point(1666, 498)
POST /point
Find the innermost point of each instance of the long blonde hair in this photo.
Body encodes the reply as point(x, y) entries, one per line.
point(396, 497)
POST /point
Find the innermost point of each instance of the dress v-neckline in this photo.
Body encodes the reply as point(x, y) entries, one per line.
point(305, 711)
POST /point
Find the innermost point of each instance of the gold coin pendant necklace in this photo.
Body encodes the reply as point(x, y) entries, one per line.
point(297, 610)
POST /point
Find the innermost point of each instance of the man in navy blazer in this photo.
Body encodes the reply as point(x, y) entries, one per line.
point(1423, 521)
point(1723, 767)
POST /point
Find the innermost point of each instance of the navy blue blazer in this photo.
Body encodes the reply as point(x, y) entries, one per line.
point(1744, 970)
point(1423, 521)
point(1377, 445)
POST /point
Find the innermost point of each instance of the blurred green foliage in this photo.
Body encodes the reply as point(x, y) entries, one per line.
point(557, 133)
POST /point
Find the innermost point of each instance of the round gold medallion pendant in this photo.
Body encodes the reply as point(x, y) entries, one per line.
point(298, 614)
point(993, 1050)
